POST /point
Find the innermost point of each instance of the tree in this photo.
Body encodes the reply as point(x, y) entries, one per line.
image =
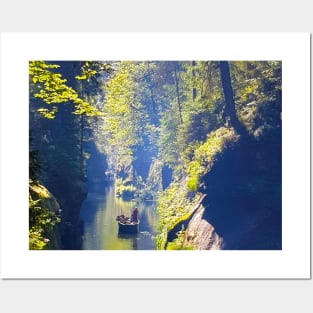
point(230, 109)
point(51, 87)
point(178, 93)
point(59, 115)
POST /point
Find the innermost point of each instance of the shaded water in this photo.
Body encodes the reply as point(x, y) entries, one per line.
point(100, 229)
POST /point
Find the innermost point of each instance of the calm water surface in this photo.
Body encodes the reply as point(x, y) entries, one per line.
point(98, 214)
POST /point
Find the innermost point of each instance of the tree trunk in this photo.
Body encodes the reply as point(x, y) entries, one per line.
point(153, 102)
point(194, 89)
point(177, 93)
point(230, 110)
point(82, 133)
point(82, 143)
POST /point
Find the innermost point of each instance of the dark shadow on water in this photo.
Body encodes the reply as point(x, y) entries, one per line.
point(133, 238)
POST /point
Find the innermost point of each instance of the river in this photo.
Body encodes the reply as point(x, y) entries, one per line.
point(100, 229)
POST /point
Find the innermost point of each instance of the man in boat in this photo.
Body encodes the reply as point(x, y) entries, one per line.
point(123, 219)
point(134, 216)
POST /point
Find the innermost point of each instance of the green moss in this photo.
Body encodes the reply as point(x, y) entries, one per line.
point(205, 155)
point(36, 240)
point(175, 204)
point(173, 207)
point(192, 183)
point(177, 243)
point(40, 191)
point(43, 218)
point(194, 171)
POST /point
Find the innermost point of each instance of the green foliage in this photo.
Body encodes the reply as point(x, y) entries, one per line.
point(177, 243)
point(205, 154)
point(36, 240)
point(119, 121)
point(87, 72)
point(256, 83)
point(194, 172)
point(41, 224)
point(91, 68)
point(168, 145)
point(173, 206)
point(200, 107)
point(171, 112)
point(202, 137)
point(128, 132)
point(51, 88)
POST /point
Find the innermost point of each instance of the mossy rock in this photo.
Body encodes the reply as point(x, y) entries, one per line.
point(44, 215)
point(47, 200)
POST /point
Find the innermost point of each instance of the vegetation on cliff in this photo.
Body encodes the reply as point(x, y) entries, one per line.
point(44, 215)
point(60, 122)
point(248, 183)
point(170, 131)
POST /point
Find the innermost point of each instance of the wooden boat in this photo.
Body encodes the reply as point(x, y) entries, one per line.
point(125, 225)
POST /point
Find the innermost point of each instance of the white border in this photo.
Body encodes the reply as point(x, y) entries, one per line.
point(292, 262)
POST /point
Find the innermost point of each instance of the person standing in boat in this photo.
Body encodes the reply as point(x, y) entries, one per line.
point(134, 216)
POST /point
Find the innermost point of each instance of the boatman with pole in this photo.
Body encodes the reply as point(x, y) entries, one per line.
point(134, 216)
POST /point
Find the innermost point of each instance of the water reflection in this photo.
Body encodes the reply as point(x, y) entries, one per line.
point(98, 214)
point(133, 238)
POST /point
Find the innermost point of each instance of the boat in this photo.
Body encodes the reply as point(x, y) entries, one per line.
point(126, 226)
